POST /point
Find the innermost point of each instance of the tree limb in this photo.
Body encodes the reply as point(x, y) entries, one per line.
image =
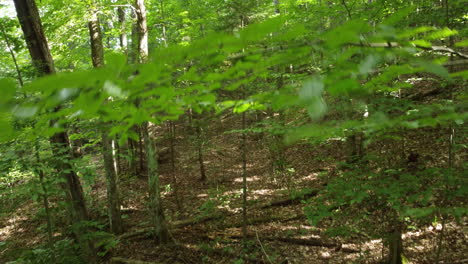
point(118, 260)
point(398, 45)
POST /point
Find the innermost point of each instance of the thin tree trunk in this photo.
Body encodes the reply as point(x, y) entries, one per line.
point(28, 16)
point(123, 29)
point(115, 218)
point(133, 51)
point(201, 162)
point(95, 34)
point(13, 56)
point(60, 145)
point(142, 31)
point(115, 159)
point(396, 244)
point(97, 55)
point(244, 182)
point(163, 21)
point(45, 202)
point(140, 149)
point(173, 167)
point(276, 3)
point(161, 230)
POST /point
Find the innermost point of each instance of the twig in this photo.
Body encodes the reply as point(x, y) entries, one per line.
point(261, 246)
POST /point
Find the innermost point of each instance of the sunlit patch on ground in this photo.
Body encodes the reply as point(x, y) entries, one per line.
point(248, 179)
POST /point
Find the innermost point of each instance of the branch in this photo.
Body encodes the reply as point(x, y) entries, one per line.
point(118, 260)
point(398, 45)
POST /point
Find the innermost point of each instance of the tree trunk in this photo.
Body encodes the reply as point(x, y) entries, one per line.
point(395, 246)
point(140, 150)
point(133, 50)
point(95, 35)
point(171, 127)
point(276, 3)
point(30, 22)
point(161, 230)
point(45, 201)
point(123, 32)
point(201, 162)
point(97, 55)
point(28, 16)
point(60, 146)
point(244, 183)
point(115, 218)
point(142, 31)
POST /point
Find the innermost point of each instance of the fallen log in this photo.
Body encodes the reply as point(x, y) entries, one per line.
point(290, 200)
point(257, 221)
point(147, 231)
point(118, 260)
point(313, 242)
point(232, 255)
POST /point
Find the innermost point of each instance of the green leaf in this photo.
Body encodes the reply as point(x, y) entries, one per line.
point(368, 64)
point(422, 43)
point(463, 43)
point(436, 69)
point(241, 107)
point(6, 129)
point(442, 33)
point(8, 89)
point(311, 88)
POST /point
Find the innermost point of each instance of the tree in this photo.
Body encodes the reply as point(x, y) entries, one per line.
point(97, 55)
point(353, 100)
point(29, 19)
point(162, 235)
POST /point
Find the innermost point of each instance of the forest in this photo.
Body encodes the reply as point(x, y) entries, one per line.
point(233, 131)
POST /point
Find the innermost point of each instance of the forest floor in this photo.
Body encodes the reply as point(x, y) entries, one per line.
point(278, 229)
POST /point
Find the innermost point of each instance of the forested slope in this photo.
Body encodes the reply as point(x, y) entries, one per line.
point(205, 131)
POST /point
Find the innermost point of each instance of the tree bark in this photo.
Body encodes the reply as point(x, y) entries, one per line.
point(171, 127)
point(276, 3)
point(115, 218)
point(60, 145)
point(97, 55)
point(395, 245)
point(201, 161)
point(95, 36)
point(123, 32)
point(244, 182)
point(142, 30)
point(28, 16)
point(161, 230)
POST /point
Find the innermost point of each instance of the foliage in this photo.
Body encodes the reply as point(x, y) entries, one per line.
point(320, 70)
